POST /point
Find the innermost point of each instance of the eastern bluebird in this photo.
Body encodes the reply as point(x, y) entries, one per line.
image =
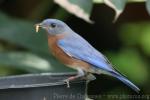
point(74, 51)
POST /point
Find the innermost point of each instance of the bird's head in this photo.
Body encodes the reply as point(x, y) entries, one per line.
point(53, 26)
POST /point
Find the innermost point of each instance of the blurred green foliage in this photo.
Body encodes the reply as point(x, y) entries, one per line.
point(137, 34)
point(24, 51)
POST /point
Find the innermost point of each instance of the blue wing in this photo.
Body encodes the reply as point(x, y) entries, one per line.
point(75, 46)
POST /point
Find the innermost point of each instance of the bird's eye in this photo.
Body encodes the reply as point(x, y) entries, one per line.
point(53, 25)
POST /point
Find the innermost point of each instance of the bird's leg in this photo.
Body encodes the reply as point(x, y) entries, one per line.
point(81, 73)
point(90, 77)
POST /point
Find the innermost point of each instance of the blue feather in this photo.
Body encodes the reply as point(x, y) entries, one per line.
point(127, 82)
point(75, 45)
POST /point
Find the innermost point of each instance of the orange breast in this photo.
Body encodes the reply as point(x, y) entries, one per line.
point(62, 56)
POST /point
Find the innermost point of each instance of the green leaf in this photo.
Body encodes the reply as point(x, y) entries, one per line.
point(148, 6)
point(136, 0)
point(23, 34)
point(101, 1)
point(30, 62)
point(98, 1)
point(80, 8)
point(5, 71)
point(117, 5)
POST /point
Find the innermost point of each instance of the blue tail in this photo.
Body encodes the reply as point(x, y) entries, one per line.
point(126, 81)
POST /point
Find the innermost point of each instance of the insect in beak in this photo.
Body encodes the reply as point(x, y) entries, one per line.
point(37, 26)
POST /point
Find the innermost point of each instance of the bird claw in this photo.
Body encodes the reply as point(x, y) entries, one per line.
point(67, 82)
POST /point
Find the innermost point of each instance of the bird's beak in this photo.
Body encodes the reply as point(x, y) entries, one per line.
point(37, 26)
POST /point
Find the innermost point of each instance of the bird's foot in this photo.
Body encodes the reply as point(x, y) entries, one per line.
point(67, 81)
point(80, 74)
